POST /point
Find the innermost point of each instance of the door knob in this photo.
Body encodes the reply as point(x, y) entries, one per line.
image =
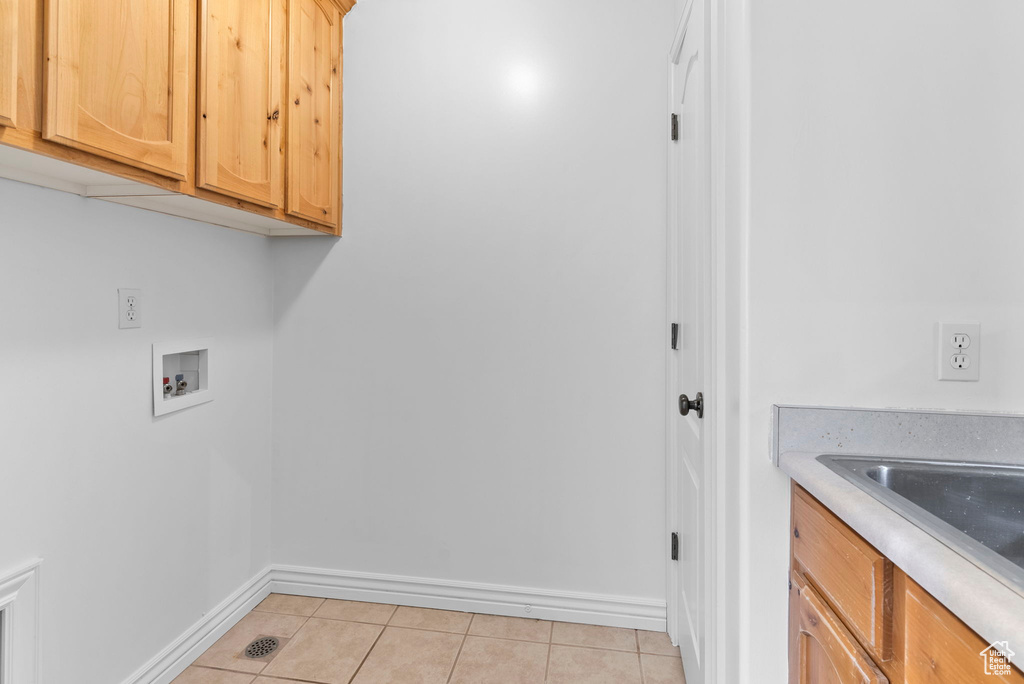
point(686, 404)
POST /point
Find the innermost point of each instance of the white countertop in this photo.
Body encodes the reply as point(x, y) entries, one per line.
point(989, 607)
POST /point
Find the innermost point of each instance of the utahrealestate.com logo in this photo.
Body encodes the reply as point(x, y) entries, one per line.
point(997, 658)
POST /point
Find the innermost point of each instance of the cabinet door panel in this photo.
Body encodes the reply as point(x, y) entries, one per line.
point(8, 61)
point(119, 80)
point(940, 649)
point(21, 31)
point(822, 650)
point(313, 176)
point(241, 62)
point(849, 573)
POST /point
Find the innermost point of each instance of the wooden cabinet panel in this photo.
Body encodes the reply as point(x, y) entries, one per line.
point(21, 33)
point(313, 150)
point(241, 78)
point(822, 650)
point(940, 649)
point(119, 80)
point(8, 62)
point(854, 578)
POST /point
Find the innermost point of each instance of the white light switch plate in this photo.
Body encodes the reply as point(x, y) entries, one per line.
point(959, 346)
point(129, 308)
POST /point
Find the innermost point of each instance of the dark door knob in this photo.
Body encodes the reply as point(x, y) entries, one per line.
point(686, 404)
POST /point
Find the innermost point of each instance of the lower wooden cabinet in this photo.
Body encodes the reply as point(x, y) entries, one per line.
point(939, 647)
point(855, 618)
point(823, 650)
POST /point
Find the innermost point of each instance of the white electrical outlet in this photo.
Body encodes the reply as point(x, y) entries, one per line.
point(959, 351)
point(129, 308)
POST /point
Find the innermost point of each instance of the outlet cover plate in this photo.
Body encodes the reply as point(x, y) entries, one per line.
point(959, 346)
point(129, 308)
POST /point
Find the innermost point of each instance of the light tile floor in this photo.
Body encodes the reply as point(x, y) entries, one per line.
point(343, 642)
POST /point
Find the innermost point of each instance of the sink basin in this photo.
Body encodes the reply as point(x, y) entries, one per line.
point(976, 509)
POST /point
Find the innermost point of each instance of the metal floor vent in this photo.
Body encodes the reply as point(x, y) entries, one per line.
point(263, 646)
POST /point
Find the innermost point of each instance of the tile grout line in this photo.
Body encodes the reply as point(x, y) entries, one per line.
point(592, 648)
point(455, 663)
point(551, 640)
point(267, 664)
point(368, 652)
point(254, 676)
point(639, 657)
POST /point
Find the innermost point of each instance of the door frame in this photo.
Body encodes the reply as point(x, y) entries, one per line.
point(726, 564)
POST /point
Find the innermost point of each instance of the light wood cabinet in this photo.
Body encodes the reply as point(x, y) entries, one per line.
point(8, 61)
point(848, 571)
point(241, 88)
point(223, 111)
point(855, 618)
point(939, 647)
point(119, 80)
point(823, 650)
point(20, 62)
point(314, 111)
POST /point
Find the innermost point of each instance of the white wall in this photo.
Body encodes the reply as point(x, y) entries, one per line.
point(886, 195)
point(144, 523)
point(469, 386)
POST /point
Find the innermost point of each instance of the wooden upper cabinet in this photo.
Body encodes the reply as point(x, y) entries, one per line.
point(20, 62)
point(241, 91)
point(313, 147)
point(8, 62)
point(119, 80)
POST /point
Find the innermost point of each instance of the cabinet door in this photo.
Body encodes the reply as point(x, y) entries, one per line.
point(241, 65)
point(119, 80)
point(313, 151)
point(941, 649)
point(8, 62)
point(821, 649)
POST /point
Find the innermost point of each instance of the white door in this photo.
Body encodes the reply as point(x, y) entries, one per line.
point(689, 367)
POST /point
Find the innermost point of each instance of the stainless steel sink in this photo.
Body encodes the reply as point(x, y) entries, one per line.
point(976, 509)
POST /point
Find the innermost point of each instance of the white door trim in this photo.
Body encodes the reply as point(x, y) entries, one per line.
point(20, 644)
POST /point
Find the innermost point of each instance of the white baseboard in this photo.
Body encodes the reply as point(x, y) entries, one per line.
point(173, 660)
point(491, 599)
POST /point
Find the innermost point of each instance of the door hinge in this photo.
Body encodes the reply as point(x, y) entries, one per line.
point(675, 126)
point(675, 336)
point(675, 546)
